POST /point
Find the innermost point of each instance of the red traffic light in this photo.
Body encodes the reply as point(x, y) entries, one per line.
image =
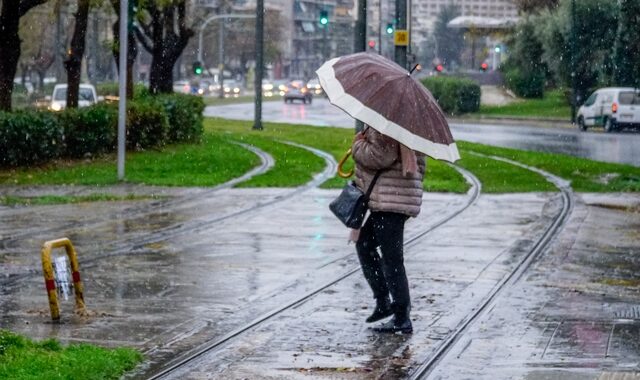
point(484, 66)
point(372, 44)
point(439, 68)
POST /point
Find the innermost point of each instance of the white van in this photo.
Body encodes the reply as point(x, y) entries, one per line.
point(86, 96)
point(612, 108)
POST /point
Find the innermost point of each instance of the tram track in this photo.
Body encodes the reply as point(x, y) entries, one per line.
point(429, 364)
point(266, 163)
point(130, 246)
point(435, 356)
point(191, 356)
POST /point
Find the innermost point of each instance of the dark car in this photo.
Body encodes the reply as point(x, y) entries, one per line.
point(297, 90)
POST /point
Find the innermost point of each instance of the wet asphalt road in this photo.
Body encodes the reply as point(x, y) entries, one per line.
point(620, 147)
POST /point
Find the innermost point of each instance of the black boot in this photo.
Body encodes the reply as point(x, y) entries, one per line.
point(400, 323)
point(383, 310)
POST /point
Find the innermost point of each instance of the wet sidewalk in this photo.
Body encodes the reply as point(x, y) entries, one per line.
point(574, 315)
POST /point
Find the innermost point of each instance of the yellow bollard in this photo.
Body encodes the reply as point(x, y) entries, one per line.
point(49, 279)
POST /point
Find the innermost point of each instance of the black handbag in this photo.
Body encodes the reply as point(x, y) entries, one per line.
point(352, 204)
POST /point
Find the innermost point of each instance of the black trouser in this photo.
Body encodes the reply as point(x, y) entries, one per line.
point(385, 271)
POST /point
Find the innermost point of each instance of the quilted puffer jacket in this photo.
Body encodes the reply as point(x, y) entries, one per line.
point(393, 192)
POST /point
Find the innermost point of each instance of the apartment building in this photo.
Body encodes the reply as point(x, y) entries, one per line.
point(424, 13)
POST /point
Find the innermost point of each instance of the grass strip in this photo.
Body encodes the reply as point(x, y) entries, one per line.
point(585, 175)
point(209, 163)
point(21, 359)
point(553, 105)
point(502, 177)
point(65, 199)
point(293, 166)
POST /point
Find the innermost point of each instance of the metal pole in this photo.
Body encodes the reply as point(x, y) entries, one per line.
point(257, 124)
point(221, 58)
point(122, 90)
point(573, 61)
point(360, 40)
point(401, 24)
point(380, 27)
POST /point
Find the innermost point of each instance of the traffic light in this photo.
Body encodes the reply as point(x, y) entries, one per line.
point(324, 17)
point(197, 68)
point(389, 28)
point(484, 66)
point(439, 68)
point(497, 49)
point(372, 44)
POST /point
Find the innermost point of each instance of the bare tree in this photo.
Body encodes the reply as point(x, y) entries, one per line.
point(162, 30)
point(10, 14)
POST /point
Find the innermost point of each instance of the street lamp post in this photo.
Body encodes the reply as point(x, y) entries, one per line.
point(122, 82)
point(257, 124)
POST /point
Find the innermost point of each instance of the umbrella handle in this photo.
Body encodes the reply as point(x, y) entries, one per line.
point(342, 161)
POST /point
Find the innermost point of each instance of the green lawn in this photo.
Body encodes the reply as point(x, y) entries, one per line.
point(585, 175)
point(217, 160)
point(553, 105)
point(22, 359)
point(496, 176)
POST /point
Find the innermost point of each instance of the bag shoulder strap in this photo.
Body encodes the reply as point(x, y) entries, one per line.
point(373, 182)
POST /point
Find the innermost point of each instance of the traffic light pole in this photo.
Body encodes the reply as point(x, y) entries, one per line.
point(401, 24)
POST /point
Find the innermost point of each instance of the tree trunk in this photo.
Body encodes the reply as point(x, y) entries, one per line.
point(9, 50)
point(73, 64)
point(132, 50)
point(161, 76)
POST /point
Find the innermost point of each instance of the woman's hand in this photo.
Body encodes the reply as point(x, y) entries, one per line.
point(358, 136)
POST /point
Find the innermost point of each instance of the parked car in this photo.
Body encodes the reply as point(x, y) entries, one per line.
point(611, 108)
point(86, 96)
point(297, 90)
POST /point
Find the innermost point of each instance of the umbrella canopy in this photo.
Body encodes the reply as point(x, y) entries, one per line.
point(383, 95)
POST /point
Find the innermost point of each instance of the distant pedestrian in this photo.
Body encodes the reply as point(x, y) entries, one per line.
point(396, 196)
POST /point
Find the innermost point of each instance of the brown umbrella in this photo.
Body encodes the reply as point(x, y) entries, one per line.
point(383, 95)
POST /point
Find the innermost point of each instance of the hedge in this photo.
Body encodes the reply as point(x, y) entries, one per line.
point(454, 95)
point(526, 85)
point(29, 138)
point(89, 130)
point(185, 116)
point(32, 137)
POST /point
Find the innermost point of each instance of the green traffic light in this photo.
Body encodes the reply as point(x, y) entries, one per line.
point(324, 17)
point(197, 68)
point(389, 28)
point(497, 49)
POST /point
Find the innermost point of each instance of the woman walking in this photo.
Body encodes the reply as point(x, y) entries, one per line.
point(396, 196)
